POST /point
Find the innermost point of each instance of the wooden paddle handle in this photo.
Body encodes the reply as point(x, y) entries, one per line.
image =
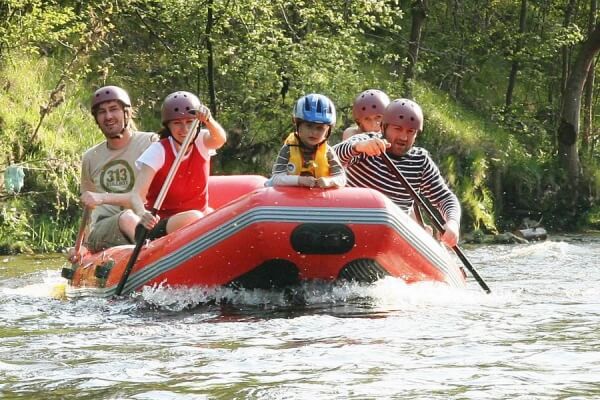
point(85, 220)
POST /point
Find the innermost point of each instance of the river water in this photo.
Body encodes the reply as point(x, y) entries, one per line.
point(536, 336)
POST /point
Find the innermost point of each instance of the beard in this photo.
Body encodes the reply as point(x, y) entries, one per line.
point(113, 132)
point(399, 149)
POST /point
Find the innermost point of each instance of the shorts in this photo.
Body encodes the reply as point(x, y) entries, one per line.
point(106, 233)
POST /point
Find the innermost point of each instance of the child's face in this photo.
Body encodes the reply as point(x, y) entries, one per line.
point(401, 138)
point(312, 133)
point(371, 123)
point(180, 127)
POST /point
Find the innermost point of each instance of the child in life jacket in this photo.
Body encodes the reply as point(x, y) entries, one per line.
point(367, 111)
point(306, 159)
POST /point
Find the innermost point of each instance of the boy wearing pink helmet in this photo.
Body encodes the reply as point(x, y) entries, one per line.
point(367, 111)
point(362, 157)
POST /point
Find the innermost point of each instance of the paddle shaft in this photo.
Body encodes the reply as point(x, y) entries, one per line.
point(85, 219)
point(420, 202)
point(418, 216)
point(157, 204)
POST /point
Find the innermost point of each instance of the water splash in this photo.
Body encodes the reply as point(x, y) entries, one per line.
point(386, 294)
point(42, 284)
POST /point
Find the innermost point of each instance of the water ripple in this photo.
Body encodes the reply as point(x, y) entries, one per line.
point(534, 337)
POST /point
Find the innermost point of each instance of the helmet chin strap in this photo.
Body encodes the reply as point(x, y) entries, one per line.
point(125, 125)
point(126, 119)
point(326, 136)
point(328, 133)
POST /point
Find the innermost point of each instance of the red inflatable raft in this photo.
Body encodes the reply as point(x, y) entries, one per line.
point(266, 237)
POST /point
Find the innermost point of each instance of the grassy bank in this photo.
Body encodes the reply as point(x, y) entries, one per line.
point(45, 127)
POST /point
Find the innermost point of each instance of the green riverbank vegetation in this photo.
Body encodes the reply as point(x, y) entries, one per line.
point(507, 88)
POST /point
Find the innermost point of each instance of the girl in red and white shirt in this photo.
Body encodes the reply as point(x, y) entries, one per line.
point(187, 198)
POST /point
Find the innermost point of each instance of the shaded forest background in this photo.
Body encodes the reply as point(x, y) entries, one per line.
point(507, 87)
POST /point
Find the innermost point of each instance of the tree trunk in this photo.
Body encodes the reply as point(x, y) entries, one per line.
point(497, 189)
point(514, 70)
point(419, 13)
point(566, 53)
point(457, 78)
point(586, 138)
point(569, 123)
point(210, 67)
point(588, 114)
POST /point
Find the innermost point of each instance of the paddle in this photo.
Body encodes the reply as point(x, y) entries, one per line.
point(420, 202)
point(157, 204)
point(85, 219)
point(59, 292)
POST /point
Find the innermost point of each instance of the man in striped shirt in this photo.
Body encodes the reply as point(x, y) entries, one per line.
point(362, 157)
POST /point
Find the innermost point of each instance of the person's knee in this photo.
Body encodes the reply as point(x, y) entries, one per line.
point(128, 220)
point(190, 216)
point(195, 215)
point(183, 219)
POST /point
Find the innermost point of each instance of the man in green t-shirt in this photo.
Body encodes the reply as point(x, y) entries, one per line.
point(109, 167)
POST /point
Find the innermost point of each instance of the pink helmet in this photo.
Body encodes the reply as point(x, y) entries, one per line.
point(405, 113)
point(108, 93)
point(369, 102)
point(177, 105)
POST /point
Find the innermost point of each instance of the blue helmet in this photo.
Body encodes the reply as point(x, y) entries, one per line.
point(315, 108)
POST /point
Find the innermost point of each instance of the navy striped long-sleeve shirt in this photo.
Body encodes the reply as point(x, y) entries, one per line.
point(416, 165)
